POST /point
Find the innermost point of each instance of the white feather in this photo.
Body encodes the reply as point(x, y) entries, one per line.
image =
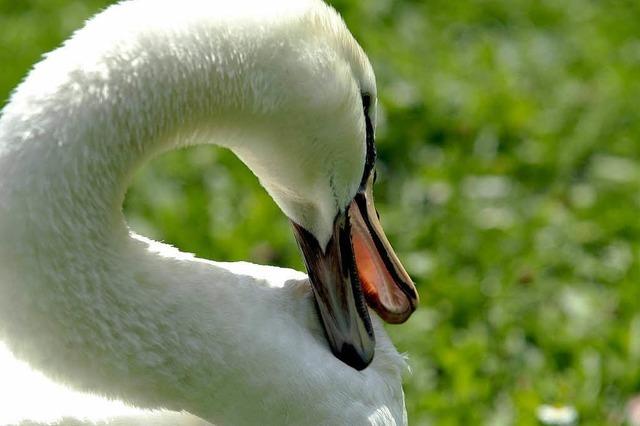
point(104, 311)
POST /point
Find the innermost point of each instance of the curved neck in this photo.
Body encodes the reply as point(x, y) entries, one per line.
point(120, 315)
point(106, 115)
point(278, 87)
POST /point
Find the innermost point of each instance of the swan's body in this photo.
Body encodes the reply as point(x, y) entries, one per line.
point(27, 397)
point(110, 312)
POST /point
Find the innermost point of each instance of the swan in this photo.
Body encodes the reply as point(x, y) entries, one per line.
point(284, 86)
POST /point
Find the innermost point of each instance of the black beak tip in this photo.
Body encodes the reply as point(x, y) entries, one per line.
point(355, 358)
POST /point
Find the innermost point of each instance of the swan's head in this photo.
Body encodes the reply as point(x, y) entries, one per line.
point(316, 158)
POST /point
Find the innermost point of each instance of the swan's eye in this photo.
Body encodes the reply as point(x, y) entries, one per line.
point(370, 160)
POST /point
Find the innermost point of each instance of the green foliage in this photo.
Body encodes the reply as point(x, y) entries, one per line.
point(509, 183)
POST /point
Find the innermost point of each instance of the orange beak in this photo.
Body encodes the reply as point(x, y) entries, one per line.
point(357, 264)
point(387, 287)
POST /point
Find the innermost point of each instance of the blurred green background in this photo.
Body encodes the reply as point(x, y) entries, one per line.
point(509, 184)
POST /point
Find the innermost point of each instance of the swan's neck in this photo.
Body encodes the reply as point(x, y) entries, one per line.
point(80, 298)
point(256, 81)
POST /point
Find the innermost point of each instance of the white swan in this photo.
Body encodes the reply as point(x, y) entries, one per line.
point(283, 85)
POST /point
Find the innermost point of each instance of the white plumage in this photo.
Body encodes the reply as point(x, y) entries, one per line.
point(106, 311)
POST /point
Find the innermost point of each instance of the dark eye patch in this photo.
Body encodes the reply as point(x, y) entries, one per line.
point(370, 159)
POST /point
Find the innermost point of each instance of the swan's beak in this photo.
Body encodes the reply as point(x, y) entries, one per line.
point(387, 286)
point(338, 294)
point(358, 263)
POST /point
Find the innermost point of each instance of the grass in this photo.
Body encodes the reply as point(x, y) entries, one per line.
point(509, 183)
